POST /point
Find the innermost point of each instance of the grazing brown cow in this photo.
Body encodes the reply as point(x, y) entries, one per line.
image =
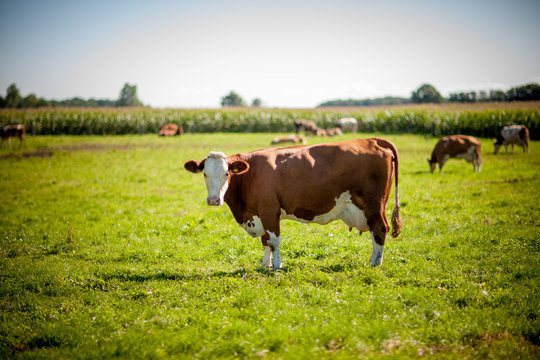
point(334, 132)
point(289, 139)
point(171, 130)
point(348, 180)
point(309, 127)
point(456, 146)
point(514, 134)
point(9, 131)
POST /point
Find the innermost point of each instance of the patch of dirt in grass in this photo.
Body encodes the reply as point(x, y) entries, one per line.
point(45, 153)
point(41, 153)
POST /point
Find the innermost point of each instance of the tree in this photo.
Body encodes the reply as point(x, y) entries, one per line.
point(128, 96)
point(496, 95)
point(256, 102)
point(232, 99)
point(426, 94)
point(29, 101)
point(13, 98)
point(526, 92)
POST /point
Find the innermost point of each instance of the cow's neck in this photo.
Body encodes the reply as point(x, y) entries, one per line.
point(233, 198)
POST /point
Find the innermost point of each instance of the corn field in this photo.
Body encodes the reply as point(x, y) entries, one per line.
point(434, 121)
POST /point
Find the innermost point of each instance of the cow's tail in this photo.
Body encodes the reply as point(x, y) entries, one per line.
point(396, 214)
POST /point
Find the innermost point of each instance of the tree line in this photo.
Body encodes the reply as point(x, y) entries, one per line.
point(233, 99)
point(427, 93)
point(14, 100)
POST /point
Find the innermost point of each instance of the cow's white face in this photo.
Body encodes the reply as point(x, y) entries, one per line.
point(216, 176)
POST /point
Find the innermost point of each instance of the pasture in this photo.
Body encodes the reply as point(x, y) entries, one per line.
point(108, 250)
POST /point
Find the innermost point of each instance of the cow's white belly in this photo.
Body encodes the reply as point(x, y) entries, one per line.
point(254, 226)
point(468, 156)
point(344, 210)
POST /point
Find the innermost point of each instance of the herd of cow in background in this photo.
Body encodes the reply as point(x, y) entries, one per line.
point(453, 146)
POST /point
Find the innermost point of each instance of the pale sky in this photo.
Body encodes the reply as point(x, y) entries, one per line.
point(288, 53)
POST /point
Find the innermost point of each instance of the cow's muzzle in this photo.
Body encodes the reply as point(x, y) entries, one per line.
point(213, 201)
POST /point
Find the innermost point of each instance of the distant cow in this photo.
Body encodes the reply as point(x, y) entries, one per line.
point(348, 124)
point(309, 127)
point(334, 132)
point(348, 180)
point(171, 130)
point(514, 134)
point(9, 131)
point(289, 139)
point(456, 146)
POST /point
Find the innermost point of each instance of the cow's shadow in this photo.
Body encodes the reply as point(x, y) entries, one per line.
point(240, 273)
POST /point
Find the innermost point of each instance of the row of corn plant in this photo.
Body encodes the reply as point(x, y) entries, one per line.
point(108, 121)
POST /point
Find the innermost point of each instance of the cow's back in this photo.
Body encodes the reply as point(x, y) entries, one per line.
point(516, 134)
point(306, 180)
point(454, 145)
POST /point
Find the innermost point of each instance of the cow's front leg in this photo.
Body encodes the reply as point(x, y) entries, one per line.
point(274, 247)
point(271, 244)
point(267, 258)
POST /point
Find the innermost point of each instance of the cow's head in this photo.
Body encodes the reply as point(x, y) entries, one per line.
point(432, 164)
point(497, 143)
point(217, 171)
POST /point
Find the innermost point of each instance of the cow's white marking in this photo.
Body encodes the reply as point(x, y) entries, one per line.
point(274, 246)
point(445, 159)
point(468, 156)
point(267, 257)
point(344, 210)
point(216, 176)
point(377, 254)
point(253, 226)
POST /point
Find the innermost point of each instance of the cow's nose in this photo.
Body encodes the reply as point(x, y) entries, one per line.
point(214, 201)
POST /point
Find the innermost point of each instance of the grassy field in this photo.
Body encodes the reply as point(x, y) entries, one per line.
point(107, 250)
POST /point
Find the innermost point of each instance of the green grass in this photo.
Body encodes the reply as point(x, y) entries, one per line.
point(107, 250)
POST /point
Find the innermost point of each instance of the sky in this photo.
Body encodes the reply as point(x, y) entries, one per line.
point(288, 53)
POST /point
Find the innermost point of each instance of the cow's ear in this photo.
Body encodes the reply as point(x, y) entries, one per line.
point(238, 167)
point(194, 166)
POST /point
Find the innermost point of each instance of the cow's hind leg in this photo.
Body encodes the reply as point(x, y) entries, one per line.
point(379, 228)
point(377, 253)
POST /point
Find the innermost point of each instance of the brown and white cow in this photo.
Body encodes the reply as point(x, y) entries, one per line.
point(334, 131)
point(289, 139)
point(171, 130)
point(348, 180)
point(456, 146)
point(514, 134)
point(309, 127)
point(11, 131)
